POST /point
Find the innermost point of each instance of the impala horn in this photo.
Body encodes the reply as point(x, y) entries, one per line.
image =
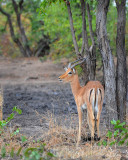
point(72, 64)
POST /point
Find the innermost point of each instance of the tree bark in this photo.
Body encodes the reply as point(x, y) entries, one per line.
point(18, 8)
point(107, 58)
point(92, 49)
point(121, 60)
point(73, 30)
point(14, 38)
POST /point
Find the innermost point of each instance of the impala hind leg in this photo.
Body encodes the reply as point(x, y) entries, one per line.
point(91, 123)
point(98, 122)
point(99, 103)
point(98, 130)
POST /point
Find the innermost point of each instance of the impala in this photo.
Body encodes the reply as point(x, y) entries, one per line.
point(88, 97)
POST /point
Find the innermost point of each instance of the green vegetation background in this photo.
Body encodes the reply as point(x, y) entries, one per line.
point(56, 25)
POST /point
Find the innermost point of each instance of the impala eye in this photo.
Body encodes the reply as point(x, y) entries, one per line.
point(70, 73)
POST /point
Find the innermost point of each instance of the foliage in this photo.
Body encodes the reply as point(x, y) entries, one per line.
point(27, 153)
point(4, 123)
point(32, 23)
point(55, 14)
point(119, 136)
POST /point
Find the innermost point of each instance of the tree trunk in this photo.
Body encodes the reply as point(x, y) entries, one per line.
point(121, 61)
point(89, 66)
point(107, 58)
point(17, 8)
point(14, 38)
point(92, 49)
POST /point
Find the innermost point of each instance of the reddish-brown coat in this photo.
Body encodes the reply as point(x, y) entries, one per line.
point(85, 95)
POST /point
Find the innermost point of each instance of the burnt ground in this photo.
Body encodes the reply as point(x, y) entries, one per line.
point(33, 86)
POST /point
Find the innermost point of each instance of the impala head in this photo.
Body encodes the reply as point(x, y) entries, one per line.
point(68, 75)
point(70, 72)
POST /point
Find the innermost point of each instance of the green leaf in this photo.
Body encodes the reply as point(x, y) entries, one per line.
point(23, 139)
point(113, 122)
point(35, 155)
point(121, 124)
point(28, 152)
point(16, 132)
point(18, 152)
point(12, 152)
point(99, 143)
point(121, 142)
point(104, 143)
point(19, 111)
point(10, 117)
point(50, 154)
point(116, 133)
point(112, 143)
point(3, 152)
point(109, 134)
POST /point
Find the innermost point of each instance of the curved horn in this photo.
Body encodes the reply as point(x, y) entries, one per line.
point(69, 65)
point(83, 60)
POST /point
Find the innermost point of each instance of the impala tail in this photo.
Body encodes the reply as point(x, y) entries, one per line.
point(96, 100)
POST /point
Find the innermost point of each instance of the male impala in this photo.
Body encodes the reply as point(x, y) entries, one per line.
point(89, 96)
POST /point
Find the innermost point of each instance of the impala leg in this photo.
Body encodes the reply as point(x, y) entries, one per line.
point(98, 122)
point(80, 125)
point(91, 121)
point(92, 128)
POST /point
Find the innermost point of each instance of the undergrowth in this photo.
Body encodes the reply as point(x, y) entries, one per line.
point(15, 145)
point(59, 142)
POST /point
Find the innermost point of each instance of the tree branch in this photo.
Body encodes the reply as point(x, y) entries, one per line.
point(85, 45)
point(72, 29)
point(90, 24)
point(21, 5)
point(9, 21)
point(15, 39)
point(21, 28)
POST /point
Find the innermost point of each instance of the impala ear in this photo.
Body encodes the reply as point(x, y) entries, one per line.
point(74, 71)
point(65, 68)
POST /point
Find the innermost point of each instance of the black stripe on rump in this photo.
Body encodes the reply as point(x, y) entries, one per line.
point(90, 94)
point(100, 93)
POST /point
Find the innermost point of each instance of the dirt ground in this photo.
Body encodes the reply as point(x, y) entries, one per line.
point(33, 86)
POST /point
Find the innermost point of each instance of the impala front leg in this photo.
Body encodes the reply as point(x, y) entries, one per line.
point(80, 124)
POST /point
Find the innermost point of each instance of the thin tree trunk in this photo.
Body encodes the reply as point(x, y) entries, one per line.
point(85, 46)
point(107, 58)
point(121, 61)
point(14, 38)
point(73, 30)
point(24, 39)
point(88, 67)
point(92, 49)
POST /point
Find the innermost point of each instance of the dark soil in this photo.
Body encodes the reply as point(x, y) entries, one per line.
point(33, 86)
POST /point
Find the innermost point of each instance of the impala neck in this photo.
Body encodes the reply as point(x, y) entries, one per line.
point(75, 85)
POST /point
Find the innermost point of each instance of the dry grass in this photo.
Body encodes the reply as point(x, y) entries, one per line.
point(61, 141)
